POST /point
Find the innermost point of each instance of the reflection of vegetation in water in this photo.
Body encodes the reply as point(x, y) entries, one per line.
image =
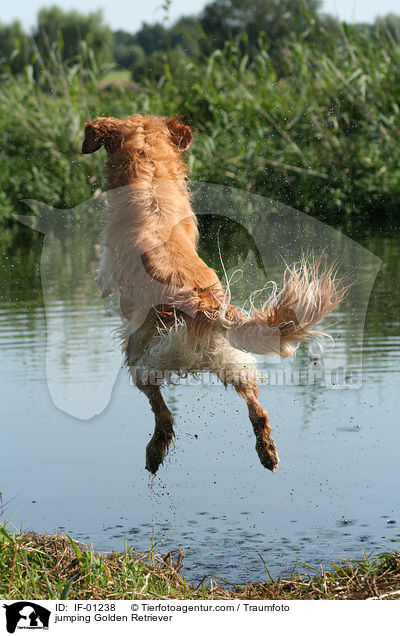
point(19, 268)
point(70, 266)
point(383, 318)
point(225, 244)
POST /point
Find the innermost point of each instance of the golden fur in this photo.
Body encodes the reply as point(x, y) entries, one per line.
point(176, 313)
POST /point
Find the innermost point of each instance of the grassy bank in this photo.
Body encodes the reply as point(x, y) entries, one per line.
point(36, 566)
point(320, 134)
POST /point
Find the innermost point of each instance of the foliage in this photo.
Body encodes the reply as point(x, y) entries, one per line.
point(71, 29)
point(225, 19)
point(388, 26)
point(158, 65)
point(187, 35)
point(151, 37)
point(323, 139)
point(126, 51)
point(15, 47)
point(278, 20)
point(319, 133)
point(40, 124)
point(70, 33)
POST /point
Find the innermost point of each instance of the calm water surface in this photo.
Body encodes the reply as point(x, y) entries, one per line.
point(336, 493)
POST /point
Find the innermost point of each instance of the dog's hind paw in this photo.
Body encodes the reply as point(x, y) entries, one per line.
point(267, 454)
point(156, 451)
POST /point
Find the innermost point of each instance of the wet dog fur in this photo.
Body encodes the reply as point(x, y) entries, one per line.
point(176, 314)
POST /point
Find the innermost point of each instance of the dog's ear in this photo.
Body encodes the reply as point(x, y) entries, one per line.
point(181, 134)
point(102, 131)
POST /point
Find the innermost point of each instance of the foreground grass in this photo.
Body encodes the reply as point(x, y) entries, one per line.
point(36, 566)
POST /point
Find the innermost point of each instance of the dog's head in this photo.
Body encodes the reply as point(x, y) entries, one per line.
point(135, 133)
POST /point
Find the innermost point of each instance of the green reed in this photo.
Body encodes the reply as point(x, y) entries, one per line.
point(321, 134)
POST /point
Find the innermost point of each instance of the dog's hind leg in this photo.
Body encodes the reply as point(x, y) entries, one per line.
point(163, 434)
point(265, 446)
point(239, 369)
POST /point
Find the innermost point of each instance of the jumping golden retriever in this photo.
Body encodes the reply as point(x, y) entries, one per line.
point(176, 314)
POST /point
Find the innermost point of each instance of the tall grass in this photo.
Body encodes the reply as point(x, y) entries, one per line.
point(323, 137)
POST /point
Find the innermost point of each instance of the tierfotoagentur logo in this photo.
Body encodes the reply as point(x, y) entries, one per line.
point(26, 615)
point(259, 239)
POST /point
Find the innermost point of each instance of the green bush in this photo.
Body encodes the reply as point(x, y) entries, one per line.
point(323, 138)
point(158, 65)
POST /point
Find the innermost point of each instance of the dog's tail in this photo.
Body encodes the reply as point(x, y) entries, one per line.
point(310, 291)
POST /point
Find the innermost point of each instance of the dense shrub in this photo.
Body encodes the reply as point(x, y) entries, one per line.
point(324, 138)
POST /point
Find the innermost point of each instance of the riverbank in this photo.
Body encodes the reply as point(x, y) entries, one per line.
point(34, 566)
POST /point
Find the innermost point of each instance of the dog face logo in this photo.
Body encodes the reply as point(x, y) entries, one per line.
point(26, 615)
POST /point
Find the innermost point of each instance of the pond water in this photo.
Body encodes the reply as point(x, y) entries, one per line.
point(336, 493)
